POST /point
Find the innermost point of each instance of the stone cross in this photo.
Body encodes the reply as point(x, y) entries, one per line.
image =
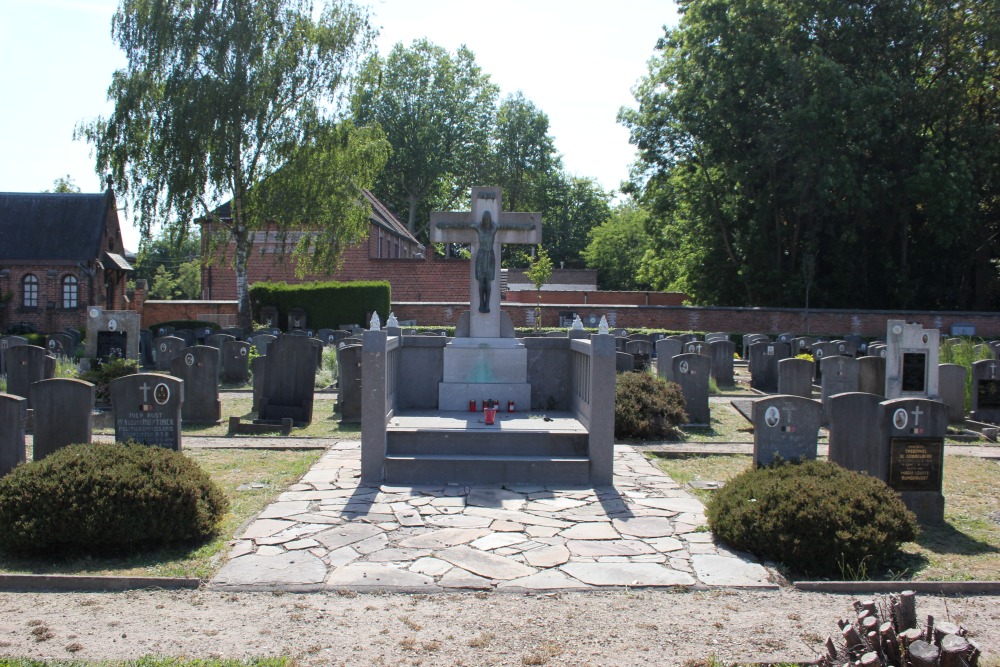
point(486, 228)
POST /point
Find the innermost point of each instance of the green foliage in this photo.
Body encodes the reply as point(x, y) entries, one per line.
point(647, 407)
point(327, 304)
point(107, 498)
point(540, 270)
point(816, 517)
point(964, 353)
point(617, 247)
point(326, 374)
point(103, 371)
point(236, 103)
point(836, 152)
point(64, 184)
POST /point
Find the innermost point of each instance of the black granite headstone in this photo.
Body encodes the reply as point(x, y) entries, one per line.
point(198, 367)
point(63, 414)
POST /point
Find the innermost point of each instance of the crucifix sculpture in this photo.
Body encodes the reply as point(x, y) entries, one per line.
point(491, 227)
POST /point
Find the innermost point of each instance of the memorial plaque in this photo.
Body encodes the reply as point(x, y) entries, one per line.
point(915, 464)
point(112, 344)
point(147, 409)
point(988, 394)
point(914, 371)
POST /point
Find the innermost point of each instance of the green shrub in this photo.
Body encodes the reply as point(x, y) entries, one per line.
point(327, 304)
point(647, 407)
point(107, 498)
point(103, 371)
point(817, 518)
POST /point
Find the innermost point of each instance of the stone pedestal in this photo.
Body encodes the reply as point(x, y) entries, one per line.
point(484, 368)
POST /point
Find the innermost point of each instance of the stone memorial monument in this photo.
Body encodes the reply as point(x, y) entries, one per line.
point(147, 409)
point(986, 391)
point(112, 333)
point(785, 426)
point(911, 361)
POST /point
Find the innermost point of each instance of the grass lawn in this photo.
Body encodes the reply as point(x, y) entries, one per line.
point(966, 547)
point(250, 478)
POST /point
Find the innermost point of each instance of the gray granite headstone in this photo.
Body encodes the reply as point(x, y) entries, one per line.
point(147, 409)
point(163, 331)
point(6, 343)
point(290, 374)
point(696, 347)
point(187, 335)
point(795, 377)
point(13, 418)
point(327, 336)
point(666, 349)
point(785, 426)
point(751, 339)
point(620, 343)
point(691, 372)
point(912, 444)
point(854, 433)
point(235, 332)
point(840, 375)
point(624, 362)
point(821, 351)
point(60, 345)
point(146, 347)
point(198, 367)
point(217, 340)
point(951, 386)
point(642, 351)
point(871, 375)
point(262, 341)
point(722, 350)
point(27, 364)
point(165, 348)
point(235, 362)
point(764, 358)
point(63, 414)
point(349, 383)
point(986, 391)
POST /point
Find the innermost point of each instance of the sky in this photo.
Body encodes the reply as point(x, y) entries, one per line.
point(576, 60)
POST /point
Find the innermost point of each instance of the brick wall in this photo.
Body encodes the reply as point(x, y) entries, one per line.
point(222, 313)
point(733, 320)
point(594, 297)
point(90, 292)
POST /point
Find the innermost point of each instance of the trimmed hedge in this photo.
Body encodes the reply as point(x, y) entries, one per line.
point(107, 498)
point(647, 407)
point(327, 304)
point(185, 324)
point(817, 518)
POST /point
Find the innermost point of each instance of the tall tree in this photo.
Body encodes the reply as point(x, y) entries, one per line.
point(218, 100)
point(437, 110)
point(836, 139)
point(617, 247)
point(64, 184)
point(525, 154)
point(571, 207)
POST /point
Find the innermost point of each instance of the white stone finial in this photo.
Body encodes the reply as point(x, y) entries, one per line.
point(577, 323)
point(376, 323)
point(602, 327)
point(392, 321)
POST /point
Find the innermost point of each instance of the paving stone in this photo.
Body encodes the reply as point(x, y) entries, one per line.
point(665, 544)
point(350, 533)
point(724, 571)
point(519, 517)
point(701, 548)
point(307, 543)
point(703, 538)
point(241, 548)
point(612, 559)
point(292, 568)
point(446, 537)
point(269, 550)
point(459, 521)
point(627, 574)
point(547, 556)
point(508, 551)
point(372, 544)
point(524, 488)
point(680, 564)
point(342, 556)
point(546, 580)
point(673, 504)
point(497, 498)
point(361, 575)
point(420, 501)
point(281, 510)
point(596, 548)
point(648, 558)
point(591, 531)
point(396, 555)
point(456, 577)
point(541, 531)
point(432, 567)
point(692, 519)
point(484, 564)
point(504, 526)
point(497, 541)
point(644, 526)
point(318, 518)
point(266, 528)
point(408, 516)
point(554, 504)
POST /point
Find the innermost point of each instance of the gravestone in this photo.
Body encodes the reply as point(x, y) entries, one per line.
point(751, 339)
point(349, 384)
point(262, 341)
point(802, 345)
point(112, 333)
point(691, 372)
point(147, 409)
point(696, 347)
point(717, 335)
point(871, 375)
point(164, 331)
point(258, 373)
point(74, 334)
point(27, 364)
point(624, 362)
point(912, 445)
point(187, 335)
point(296, 319)
point(786, 427)
point(327, 336)
point(911, 362)
point(722, 350)
point(6, 343)
point(666, 349)
point(63, 415)
point(198, 367)
point(620, 343)
point(795, 377)
point(269, 316)
point(951, 387)
point(764, 358)
point(166, 348)
point(146, 347)
point(235, 332)
point(786, 338)
point(855, 434)
point(986, 391)
point(60, 345)
point(218, 340)
point(235, 362)
point(13, 418)
point(820, 351)
point(642, 353)
point(290, 375)
point(840, 375)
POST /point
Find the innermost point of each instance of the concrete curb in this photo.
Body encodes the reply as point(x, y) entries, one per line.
point(932, 587)
point(13, 583)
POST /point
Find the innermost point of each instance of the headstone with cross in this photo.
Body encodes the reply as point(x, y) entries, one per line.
point(786, 427)
point(911, 453)
point(198, 367)
point(840, 375)
point(147, 409)
point(986, 391)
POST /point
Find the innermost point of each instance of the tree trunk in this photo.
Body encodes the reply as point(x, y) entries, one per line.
point(241, 244)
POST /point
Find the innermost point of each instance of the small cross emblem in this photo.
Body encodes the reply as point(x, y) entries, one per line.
point(145, 392)
point(916, 415)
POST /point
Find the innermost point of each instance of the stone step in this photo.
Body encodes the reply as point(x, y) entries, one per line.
point(486, 469)
point(423, 442)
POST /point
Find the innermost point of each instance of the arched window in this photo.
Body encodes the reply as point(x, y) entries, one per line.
point(70, 291)
point(30, 291)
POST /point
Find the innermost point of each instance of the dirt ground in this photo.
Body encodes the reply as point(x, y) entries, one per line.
point(624, 627)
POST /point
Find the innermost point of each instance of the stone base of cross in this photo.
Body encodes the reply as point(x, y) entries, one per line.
point(486, 227)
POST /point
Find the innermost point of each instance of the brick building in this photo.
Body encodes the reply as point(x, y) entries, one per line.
point(60, 253)
point(390, 252)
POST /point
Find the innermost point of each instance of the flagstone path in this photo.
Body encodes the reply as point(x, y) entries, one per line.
point(328, 532)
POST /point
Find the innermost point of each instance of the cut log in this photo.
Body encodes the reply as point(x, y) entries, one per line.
point(890, 643)
point(955, 651)
point(906, 611)
point(909, 636)
point(869, 624)
point(856, 646)
point(922, 654)
point(943, 629)
point(869, 659)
